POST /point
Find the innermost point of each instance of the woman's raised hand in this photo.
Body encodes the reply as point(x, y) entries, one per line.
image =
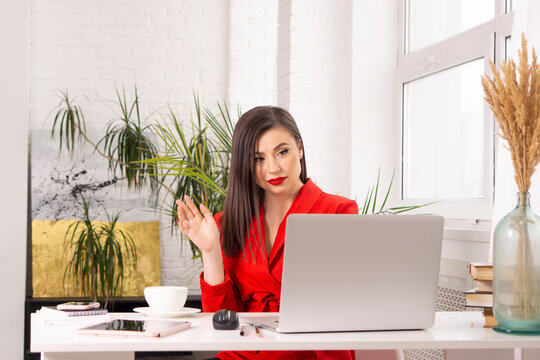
point(199, 226)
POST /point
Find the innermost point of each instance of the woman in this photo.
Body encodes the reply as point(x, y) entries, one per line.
point(242, 247)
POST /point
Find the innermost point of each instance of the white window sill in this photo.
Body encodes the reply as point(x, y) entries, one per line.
point(466, 234)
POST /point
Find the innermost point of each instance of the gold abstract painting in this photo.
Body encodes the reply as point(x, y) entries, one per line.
point(51, 255)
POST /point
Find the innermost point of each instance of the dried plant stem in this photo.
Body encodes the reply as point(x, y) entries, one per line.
point(96, 148)
point(526, 299)
point(516, 108)
point(201, 160)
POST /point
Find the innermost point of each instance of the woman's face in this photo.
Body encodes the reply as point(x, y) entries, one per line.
point(277, 162)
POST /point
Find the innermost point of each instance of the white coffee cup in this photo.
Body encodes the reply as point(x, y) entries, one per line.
point(166, 299)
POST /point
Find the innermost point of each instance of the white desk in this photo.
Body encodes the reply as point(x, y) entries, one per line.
point(452, 330)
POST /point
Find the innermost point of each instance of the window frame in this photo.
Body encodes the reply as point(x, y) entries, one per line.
point(486, 41)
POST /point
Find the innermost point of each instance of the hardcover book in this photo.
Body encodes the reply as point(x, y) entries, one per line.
point(481, 271)
point(475, 298)
point(484, 285)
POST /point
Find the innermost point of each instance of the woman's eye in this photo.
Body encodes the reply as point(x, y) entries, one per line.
point(259, 159)
point(283, 152)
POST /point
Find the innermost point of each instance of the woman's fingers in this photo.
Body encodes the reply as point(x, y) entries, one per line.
point(189, 218)
point(181, 226)
point(184, 211)
point(192, 208)
point(186, 227)
point(184, 218)
point(198, 225)
point(206, 213)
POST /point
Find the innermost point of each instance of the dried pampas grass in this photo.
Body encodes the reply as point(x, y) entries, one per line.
point(515, 105)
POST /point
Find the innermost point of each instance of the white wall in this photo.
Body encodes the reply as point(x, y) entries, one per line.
point(13, 190)
point(314, 84)
point(219, 49)
point(374, 61)
point(252, 52)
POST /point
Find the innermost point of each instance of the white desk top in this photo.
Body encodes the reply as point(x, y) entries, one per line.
point(452, 330)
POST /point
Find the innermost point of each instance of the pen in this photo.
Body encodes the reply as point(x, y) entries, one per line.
point(243, 330)
point(257, 331)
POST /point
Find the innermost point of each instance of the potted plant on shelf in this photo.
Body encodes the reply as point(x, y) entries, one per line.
point(100, 253)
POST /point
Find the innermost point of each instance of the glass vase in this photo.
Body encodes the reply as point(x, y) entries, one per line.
point(516, 279)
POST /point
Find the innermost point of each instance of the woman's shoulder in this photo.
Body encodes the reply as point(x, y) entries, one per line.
point(336, 204)
point(217, 218)
point(324, 203)
point(218, 215)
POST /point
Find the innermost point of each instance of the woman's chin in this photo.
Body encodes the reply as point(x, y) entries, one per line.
point(281, 189)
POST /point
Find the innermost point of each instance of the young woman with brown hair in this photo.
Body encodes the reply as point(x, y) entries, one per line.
point(242, 247)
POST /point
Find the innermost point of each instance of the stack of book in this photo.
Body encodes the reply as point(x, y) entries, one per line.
point(50, 315)
point(482, 295)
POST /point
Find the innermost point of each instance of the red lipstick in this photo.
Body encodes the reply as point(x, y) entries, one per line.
point(277, 181)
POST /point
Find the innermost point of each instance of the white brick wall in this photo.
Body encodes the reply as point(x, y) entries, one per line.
point(219, 49)
point(373, 117)
point(168, 48)
point(252, 52)
point(313, 83)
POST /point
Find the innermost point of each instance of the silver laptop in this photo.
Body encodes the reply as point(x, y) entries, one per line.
point(358, 273)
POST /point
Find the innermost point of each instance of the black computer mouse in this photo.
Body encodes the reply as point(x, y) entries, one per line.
point(225, 320)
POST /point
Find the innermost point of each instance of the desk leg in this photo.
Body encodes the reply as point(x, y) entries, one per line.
point(530, 354)
point(88, 356)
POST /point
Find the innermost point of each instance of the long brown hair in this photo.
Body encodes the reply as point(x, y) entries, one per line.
point(243, 194)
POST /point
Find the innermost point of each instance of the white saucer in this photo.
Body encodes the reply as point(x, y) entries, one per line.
point(148, 312)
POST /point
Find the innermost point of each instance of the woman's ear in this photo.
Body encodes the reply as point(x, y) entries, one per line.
point(301, 149)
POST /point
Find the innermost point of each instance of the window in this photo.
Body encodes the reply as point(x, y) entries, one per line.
point(451, 155)
point(447, 130)
point(430, 21)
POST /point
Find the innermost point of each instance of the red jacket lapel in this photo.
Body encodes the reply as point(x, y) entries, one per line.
point(303, 204)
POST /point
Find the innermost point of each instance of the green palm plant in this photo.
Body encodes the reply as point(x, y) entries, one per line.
point(197, 160)
point(370, 202)
point(69, 118)
point(117, 246)
point(126, 142)
point(99, 255)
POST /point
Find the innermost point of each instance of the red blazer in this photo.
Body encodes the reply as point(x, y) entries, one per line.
point(256, 286)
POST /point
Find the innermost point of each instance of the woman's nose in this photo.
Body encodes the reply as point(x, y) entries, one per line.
point(273, 165)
